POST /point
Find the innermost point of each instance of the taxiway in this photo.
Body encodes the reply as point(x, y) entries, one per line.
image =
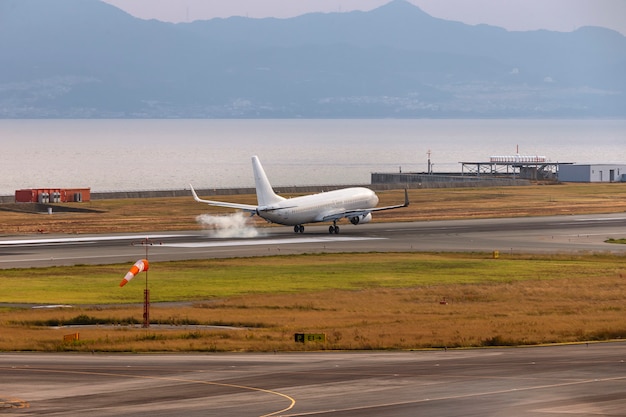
point(575, 380)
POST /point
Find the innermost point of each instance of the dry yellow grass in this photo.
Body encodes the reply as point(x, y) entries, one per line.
point(141, 215)
point(526, 313)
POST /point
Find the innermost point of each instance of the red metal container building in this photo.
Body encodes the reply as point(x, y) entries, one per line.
point(52, 195)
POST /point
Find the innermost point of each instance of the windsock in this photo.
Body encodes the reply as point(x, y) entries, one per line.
point(140, 265)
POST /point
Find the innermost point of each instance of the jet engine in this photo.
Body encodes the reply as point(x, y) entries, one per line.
point(364, 218)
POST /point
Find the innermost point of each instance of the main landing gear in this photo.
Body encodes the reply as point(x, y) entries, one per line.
point(332, 229)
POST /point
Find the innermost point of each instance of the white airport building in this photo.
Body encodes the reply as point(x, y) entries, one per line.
point(592, 173)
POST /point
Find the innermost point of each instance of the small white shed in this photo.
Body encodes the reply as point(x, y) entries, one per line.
point(592, 172)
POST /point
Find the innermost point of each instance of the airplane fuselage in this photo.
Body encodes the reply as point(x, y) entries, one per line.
point(318, 207)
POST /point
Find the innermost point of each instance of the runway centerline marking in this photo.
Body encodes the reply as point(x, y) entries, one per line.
point(256, 242)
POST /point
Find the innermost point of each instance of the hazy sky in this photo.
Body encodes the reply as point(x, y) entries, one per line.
point(559, 15)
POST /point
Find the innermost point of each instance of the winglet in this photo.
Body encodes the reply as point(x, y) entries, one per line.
point(405, 204)
point(195, 196)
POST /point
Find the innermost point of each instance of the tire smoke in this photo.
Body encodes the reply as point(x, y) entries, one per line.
point(233, 225)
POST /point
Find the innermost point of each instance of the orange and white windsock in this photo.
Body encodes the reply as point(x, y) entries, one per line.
point(140, 265)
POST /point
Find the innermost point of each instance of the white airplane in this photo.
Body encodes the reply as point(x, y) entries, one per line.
point(356, 204)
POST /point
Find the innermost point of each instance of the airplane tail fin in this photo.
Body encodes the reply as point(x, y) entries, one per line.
point(264, 193)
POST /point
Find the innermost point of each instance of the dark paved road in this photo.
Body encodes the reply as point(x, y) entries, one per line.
point(576, 380)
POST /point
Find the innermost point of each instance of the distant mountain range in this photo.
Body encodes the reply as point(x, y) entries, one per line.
point(88, 59)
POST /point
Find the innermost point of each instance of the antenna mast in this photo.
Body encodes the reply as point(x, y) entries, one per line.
point(429, 164)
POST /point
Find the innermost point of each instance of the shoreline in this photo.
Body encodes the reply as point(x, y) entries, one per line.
point(425, 181)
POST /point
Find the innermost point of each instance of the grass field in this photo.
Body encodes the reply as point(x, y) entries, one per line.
point(362, 301)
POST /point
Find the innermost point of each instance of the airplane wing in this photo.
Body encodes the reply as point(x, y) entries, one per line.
point(405, 204)
point(245, 207)
point(363, 212)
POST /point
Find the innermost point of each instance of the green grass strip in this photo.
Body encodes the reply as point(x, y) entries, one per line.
point(219, 278)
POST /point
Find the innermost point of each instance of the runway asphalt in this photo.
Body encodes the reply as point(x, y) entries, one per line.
point(575, 380)
point(556, 234)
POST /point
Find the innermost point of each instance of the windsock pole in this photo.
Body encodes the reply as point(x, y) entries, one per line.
point(142, 266)
point(146, 292)
point(146, 304)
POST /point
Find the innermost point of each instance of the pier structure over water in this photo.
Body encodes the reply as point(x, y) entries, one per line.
point(516, 166)
point(498, 171)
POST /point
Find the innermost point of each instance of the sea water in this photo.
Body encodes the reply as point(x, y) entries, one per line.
point(124, 155)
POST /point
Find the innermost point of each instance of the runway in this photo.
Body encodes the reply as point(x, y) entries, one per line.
point(555, 234)
point(576, 380)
